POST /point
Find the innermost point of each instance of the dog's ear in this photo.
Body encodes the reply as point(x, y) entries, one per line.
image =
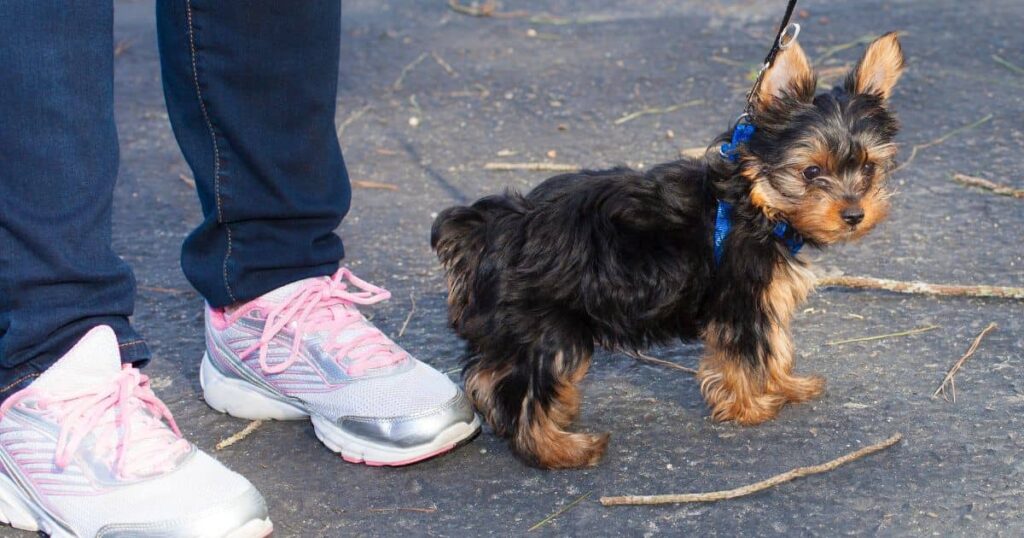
point(877, 72)
point(789, 77)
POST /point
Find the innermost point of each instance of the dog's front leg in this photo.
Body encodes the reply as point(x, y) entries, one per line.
point(746, 374)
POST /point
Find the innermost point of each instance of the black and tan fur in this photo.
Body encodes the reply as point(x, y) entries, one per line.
point(623, 259)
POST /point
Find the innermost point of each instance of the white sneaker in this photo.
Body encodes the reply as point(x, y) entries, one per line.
point(304, 351)
point(88, 450)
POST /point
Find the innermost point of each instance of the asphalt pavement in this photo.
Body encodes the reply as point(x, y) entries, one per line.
point(428, 96)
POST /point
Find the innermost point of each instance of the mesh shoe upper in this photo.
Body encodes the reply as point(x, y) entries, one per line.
point(308, 341)
point(90, 444)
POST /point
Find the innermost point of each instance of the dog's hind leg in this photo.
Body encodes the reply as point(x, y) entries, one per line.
point(531, 399)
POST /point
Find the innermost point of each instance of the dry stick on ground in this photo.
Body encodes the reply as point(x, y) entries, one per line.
point(122, 47)
point(939, 140)
point(920, 288)
point(187, 180)
point(444, 65)
point(948, 380)
point(158, 289)
point(532, 167)
point(486, 9)
point(405, 324)
point(651, 111)
point(397, 85)
point(251, 427)
point(559, 512)
point(982, 183)
point(352, 118)
point(862, 40)
point(883, 336)
point(752, 488)
point(1007, 64)
point(364, 184)
point(430, 510)
point(637, 355)
point(694, 153)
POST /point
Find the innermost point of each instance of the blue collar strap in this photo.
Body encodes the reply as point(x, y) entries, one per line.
point(723, 223)
point(741, 134)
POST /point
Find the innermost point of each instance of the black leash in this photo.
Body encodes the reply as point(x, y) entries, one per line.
point(783, 38)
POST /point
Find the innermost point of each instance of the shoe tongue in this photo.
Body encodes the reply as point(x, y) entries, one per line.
point(92, 361)
point(284, 292)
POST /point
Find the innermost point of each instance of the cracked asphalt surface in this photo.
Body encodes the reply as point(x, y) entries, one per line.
point(556, 78)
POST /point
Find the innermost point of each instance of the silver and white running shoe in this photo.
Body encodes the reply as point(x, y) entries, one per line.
point(88, 450)
point(305, 351)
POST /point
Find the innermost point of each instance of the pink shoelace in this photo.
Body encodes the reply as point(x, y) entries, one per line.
point(328, 305)
point(112, 412)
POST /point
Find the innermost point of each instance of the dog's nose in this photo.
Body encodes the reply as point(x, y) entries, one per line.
point(853, 215)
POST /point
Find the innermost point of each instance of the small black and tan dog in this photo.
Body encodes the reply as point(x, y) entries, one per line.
point(625, 259)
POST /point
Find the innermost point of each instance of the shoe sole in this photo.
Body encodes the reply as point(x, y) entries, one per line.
point(241, 399)
point(19, 511)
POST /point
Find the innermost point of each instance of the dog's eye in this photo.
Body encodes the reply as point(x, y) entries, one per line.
point(811, 172)
point(868, 170)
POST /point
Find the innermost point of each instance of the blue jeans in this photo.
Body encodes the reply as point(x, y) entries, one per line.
point(250, 89)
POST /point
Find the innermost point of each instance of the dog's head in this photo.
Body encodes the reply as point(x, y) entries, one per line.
point(821, 161)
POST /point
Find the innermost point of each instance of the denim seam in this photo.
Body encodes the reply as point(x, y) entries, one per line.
point(20, 380)
point(132, 343)
point(216, 148)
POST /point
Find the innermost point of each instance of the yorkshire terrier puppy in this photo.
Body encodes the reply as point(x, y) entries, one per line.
point(626, 259)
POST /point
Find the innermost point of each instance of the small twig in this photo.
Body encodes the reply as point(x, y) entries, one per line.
point(643, 357)
point(799, 472)
point(430, 510)
point(365, 184)
point(1006, 63)
point(941, 139)
point(444, 65)
point(158, 289)
point(862, 40)
point(883, 336)
point(956, 367)
point(922, 288)
point(554, 20)
point(405, 324)
point(729, 61)
point(251, 427)
point(694, 153)
point(487, 9)
point(122, 47)
point(187, 180)
point(397, 85)
point(972, 181)
point(651, 111)
point(352, 118)
point(559, 512)
point(532, 167)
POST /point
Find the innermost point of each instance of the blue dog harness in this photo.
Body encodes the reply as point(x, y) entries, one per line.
point(723, 217)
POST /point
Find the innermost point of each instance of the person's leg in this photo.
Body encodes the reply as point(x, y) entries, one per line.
point(250, 91)
point(59, 276)
point(65, 298)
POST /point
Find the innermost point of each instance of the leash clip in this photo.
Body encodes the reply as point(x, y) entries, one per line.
point(742, 130)
point(788, 36)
